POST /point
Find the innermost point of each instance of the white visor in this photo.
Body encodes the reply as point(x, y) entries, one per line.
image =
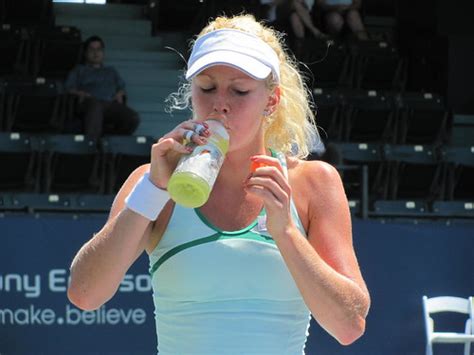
point(237, 49)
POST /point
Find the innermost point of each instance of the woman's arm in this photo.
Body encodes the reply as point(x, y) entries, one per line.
point(100, 265)
point(323, 265)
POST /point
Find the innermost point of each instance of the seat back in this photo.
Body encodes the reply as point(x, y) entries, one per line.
point(19, 163)
point(56, 51)
point(447, 304)
point(28, 12)
point(36, 105)
point(368, 117)
point(329, 64)
point(379, 66)
point(122, 155)
point(424, 119)
point(328, 114)
point(71, 163)
point(460, 172)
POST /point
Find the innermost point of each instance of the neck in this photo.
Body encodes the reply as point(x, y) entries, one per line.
point(236, 167)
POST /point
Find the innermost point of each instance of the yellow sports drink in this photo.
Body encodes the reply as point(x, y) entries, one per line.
point(195, 175)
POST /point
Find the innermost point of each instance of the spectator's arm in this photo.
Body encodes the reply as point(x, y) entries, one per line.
point(71, 82)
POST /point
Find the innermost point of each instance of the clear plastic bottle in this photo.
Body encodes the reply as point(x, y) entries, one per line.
point(195, 175)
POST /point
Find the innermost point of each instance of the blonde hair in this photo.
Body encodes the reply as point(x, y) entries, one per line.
point(291, 128)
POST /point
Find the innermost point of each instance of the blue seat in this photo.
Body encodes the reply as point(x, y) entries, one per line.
point(122, 155)
point(369, 116)
point(20, 163)
point(71, 164)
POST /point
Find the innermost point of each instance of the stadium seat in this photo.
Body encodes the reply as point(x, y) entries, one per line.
point(179, 15)
point(363, 190)
point(56, 51)
point(28, 12)
point(122, 155)
point(20, 166)
point(328, 114)
point(328, 63)
point(443, 304)
point(71, 164)
point(15, 49)
point(380, 19)
point(415, 180)
point(378, 66)
point(423, 119)
point(369, 116)
point(36, 105)
point(460, 173)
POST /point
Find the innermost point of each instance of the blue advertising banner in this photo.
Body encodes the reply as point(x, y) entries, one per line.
point(401, 262)
point(35, 314)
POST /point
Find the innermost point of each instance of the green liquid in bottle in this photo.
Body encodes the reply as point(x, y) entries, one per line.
point(191, 183)
point(188, 189)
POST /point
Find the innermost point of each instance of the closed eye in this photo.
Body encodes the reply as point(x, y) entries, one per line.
point(205, 90)
point(241, 92)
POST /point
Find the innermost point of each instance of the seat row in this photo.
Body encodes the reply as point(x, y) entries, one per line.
point(411, 180)
point(26, 12)
point(378, 116)
point(401, 180)
point(46, 51)
point(38, 104)
point(369, 65)
point(69, 163)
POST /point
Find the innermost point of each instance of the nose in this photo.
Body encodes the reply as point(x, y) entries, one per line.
point(221, 105)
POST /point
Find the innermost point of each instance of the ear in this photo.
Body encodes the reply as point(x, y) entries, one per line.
point(273, 99)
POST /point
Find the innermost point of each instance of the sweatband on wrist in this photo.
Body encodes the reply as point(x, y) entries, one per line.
point(146, 199)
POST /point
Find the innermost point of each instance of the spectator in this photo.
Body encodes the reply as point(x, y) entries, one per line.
point(101, 93)
point(294, 14)
point(294, 17)
point(338, 13)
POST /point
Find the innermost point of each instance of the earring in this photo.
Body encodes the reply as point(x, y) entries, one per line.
point(266, 113)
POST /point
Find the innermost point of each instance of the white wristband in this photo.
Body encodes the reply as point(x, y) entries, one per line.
point(146, 199)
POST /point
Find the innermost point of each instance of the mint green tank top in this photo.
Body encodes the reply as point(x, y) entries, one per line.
point(225, 292)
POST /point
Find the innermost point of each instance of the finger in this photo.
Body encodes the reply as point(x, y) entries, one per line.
point(191, 136)
point(280, 193)
point(273, 173)
point(184, 131)
point(258, 161)
point(165, 145)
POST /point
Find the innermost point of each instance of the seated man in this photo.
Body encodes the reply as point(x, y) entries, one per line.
point(101, 93)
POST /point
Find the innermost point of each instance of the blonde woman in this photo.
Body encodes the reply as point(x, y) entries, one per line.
point(243, 273)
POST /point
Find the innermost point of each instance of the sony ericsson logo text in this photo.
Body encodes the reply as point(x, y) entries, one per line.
point(56, 280)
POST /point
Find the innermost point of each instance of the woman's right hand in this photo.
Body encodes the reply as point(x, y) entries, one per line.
point(169, 148)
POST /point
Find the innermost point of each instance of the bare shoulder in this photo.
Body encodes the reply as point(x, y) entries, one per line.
point(314, 173)
point(119, 201)
point(317, 190)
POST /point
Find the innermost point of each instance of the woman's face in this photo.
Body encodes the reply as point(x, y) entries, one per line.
point(228, 94)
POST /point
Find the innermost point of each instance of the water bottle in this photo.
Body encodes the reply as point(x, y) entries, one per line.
point(191, 182)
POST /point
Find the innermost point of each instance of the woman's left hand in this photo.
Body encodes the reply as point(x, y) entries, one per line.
point(269, 183)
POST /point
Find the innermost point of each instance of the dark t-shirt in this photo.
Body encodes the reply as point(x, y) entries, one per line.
point(102, 83)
